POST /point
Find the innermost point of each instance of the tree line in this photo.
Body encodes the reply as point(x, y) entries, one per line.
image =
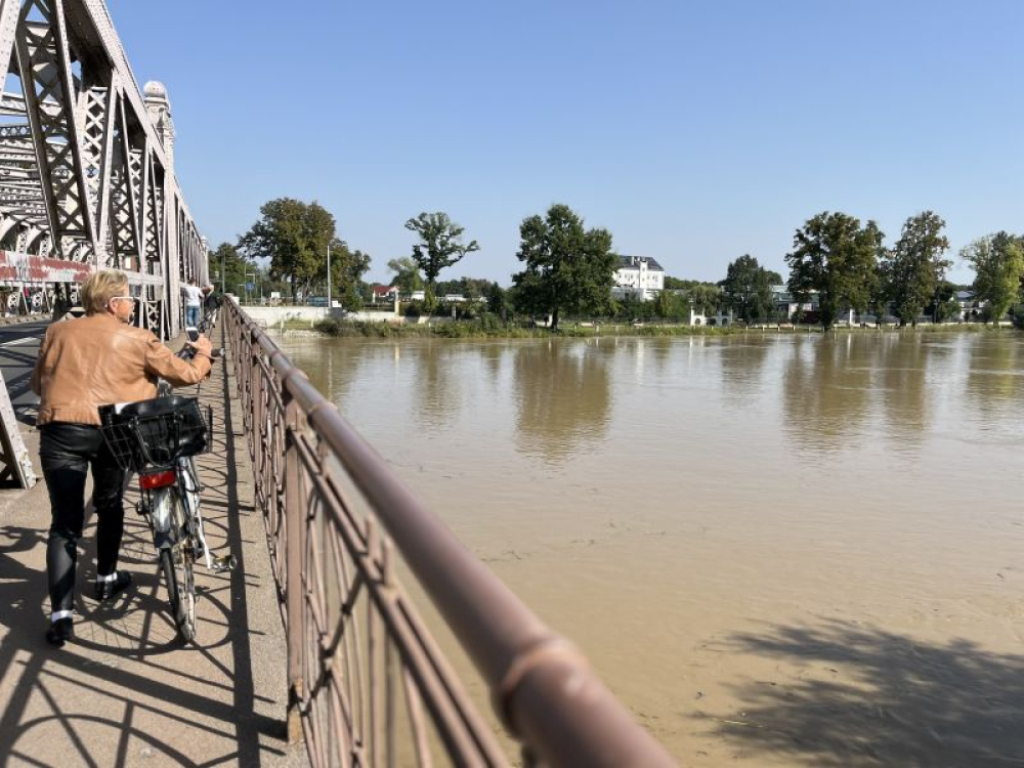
point(848, 267)
point(293, 238)
point(569, 269)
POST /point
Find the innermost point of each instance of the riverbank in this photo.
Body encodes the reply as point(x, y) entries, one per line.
point(484, 329)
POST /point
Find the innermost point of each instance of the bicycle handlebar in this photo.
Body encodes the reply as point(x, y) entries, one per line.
point(187, 352)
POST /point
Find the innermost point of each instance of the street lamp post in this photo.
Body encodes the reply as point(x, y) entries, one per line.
point(328, 278)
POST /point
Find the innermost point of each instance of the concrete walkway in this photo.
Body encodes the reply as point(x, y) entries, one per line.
point(127, 693)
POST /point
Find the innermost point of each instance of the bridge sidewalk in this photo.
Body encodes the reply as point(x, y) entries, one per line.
point(127, 693)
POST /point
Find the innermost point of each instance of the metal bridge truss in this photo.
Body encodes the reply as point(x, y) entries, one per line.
point(86, 163)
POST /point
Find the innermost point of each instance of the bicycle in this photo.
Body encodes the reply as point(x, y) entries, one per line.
point(159, 439)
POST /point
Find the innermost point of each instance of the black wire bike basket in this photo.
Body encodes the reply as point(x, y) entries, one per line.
point(157, 432)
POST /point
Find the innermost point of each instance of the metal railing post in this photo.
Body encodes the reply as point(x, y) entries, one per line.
point(294, 526)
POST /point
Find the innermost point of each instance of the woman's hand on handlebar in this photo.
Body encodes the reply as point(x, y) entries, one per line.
point(202, 346)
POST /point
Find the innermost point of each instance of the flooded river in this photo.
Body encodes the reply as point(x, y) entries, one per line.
point(776, 550)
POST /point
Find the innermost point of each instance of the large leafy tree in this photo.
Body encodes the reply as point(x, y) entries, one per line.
point(747, 289)
point(498, 300)
point(998, 262)
point(440, 246)
point(294, 235)
point(227, 267)
point(679, 284)
point(837, 258)
point(705, 298)
point(569, 269)
point(347, 269)
point(914, 269)
point(407, 275)
point(944, 305)
point(672, 305)
point(632, 308)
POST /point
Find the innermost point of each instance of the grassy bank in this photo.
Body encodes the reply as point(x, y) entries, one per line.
point(489, 329)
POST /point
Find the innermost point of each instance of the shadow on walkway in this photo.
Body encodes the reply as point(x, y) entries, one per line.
point(127, 692)
point(866, 697)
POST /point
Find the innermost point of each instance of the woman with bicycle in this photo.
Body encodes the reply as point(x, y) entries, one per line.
point(96, 360)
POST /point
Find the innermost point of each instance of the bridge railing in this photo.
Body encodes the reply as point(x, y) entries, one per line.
point(368, 685)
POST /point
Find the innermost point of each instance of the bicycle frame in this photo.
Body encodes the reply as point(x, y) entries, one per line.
point(158, 502)
point(185, 481)
point(145, 437)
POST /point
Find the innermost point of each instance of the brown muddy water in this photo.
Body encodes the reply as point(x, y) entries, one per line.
point(776, 550)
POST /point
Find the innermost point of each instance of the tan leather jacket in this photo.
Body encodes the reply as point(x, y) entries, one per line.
point(98, 360)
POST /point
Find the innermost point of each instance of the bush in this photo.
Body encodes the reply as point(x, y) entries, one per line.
point(413, 309)
point(490, 322)
point(331, 326)
point(1017, 316)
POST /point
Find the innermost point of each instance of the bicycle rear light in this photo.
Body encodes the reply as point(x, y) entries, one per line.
point(158, 480)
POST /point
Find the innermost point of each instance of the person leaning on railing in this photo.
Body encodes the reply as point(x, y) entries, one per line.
point(96, 360)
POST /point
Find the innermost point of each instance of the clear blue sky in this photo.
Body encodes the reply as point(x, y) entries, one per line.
point(694, 131)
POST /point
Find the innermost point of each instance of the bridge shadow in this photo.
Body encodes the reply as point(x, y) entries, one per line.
point(868, 697)
point(126, 688)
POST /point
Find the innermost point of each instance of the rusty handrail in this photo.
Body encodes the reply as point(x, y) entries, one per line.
point(541, 687)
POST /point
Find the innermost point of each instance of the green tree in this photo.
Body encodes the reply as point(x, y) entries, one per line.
point(912, 271)
point(227, 267)
point(569, 269)
point(407, 275)
point(833, 255)
point(347, 270)
point(747, 289)
point(672, 305)
point(632, 308)
point(441, 247)
point(679, 284)
point(998, 262)
point(705, 298)
point(944, 305)
point(878, 302)
point(497, 300)
point(294, 236)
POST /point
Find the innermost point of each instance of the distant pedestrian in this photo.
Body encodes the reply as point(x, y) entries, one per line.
point(211, 304)
point(193, 298)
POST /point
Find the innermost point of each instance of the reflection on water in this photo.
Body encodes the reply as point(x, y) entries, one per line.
point(902, 365)
point(742, 367)
point(826, 389)
point(437, 373)
point(995, 374)
point(555, 399)
point(563, 396)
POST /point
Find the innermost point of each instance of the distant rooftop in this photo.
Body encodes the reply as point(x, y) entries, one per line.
point(628, 262)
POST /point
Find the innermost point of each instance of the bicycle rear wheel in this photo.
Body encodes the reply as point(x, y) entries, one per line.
point(176, 563)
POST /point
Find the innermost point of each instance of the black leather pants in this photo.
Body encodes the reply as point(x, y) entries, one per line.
point(66, 452)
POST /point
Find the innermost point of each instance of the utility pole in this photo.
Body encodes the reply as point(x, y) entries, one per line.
point(328, 279)
point(223, 283)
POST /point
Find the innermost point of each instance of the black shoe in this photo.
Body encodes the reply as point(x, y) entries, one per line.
point(105, 590)
point(60, 632)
